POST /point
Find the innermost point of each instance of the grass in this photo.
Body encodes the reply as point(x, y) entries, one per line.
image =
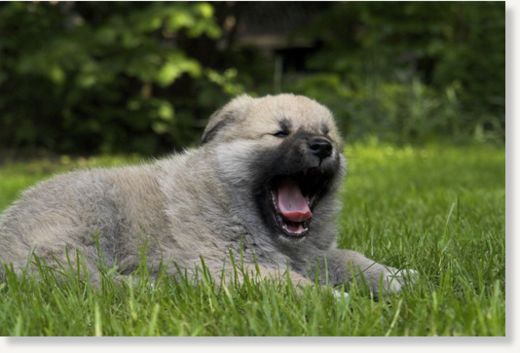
point(438, 209)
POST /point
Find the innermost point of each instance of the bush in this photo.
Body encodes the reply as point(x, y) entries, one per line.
point(94, 77)
point(143, 77)
point(410, 71)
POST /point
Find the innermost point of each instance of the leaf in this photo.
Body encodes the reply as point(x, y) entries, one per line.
point(176, 65)
point(166, 111)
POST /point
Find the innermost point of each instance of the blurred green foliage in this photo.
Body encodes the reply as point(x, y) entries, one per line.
point(410, 71)
point(97, 77)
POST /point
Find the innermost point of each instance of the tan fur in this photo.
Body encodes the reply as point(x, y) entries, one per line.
point(191, 205)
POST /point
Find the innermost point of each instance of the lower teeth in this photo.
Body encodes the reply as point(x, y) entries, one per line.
point(298, 228)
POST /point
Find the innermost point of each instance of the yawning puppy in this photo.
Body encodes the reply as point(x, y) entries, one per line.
point(263, 185)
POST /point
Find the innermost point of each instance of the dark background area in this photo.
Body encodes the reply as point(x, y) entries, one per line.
point(118, 77)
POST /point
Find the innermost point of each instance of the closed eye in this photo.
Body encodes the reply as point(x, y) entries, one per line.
point(281, 133)
point(284, 128)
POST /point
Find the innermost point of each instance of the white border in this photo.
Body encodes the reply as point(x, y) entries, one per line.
point(358, 344)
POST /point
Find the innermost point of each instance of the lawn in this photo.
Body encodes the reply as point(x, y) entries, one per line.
point(438, 209)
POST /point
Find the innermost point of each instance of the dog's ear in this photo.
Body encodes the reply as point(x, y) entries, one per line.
point(226, 115)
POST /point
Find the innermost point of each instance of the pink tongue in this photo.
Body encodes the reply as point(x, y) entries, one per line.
point(291, 203)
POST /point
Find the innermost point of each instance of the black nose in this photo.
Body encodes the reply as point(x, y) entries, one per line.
point(320, 147)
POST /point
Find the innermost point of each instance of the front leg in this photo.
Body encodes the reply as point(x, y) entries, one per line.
point(261, 272)
point(344, 265)
point(231, 275)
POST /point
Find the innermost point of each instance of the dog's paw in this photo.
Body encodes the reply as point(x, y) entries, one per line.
point(394, 280)
point(340, 295)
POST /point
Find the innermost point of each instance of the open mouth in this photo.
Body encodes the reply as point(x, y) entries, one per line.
point(293, 198)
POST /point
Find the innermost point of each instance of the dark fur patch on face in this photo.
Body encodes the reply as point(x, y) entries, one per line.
point(324, 129)
point(292, 159)
point(285, 125)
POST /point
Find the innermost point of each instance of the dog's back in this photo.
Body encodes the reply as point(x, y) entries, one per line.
point(86, 210)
